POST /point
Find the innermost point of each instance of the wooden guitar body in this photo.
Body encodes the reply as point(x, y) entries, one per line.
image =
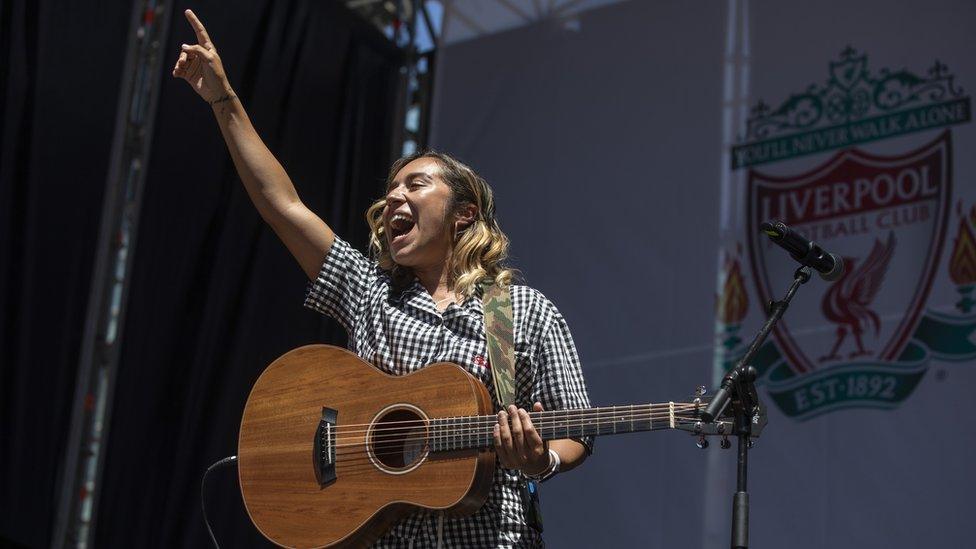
point(333, 452)
point(314, 468)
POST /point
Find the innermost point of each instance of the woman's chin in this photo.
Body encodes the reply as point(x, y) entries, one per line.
point(401, 255)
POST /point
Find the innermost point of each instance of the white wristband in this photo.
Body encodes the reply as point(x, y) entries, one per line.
point(548, 472)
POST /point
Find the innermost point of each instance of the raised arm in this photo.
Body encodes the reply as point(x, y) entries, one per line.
point(306, 236)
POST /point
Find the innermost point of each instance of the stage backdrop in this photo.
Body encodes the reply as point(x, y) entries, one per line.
point(635, 148)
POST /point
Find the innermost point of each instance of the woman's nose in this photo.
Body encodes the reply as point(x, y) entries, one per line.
point(395, 197)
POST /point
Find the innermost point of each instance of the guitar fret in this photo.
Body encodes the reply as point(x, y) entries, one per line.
point(468, 432)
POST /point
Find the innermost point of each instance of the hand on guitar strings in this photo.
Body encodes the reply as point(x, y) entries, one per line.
point(520, 446)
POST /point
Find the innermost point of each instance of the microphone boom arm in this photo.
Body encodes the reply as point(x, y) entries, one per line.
point(743, 373)
point(738, 387)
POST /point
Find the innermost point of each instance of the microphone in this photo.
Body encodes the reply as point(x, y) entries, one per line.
point(808, 253)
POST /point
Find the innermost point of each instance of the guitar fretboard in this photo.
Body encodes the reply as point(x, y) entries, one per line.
point(462, 433)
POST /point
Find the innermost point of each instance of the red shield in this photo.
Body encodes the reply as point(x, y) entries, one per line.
point(886, 216)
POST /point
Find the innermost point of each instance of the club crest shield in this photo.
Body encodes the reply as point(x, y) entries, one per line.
point(876, 212)
point(865, 340)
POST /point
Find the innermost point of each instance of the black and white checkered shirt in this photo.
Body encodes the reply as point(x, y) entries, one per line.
point(400, 331)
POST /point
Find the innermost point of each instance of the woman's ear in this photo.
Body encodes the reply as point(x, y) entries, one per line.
point(465, 216)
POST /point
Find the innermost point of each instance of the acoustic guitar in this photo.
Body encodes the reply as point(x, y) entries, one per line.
point(332, 451)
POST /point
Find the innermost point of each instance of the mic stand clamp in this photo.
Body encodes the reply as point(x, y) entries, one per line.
point(738, 388)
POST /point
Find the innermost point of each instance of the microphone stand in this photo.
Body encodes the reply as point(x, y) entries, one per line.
point(738, 386)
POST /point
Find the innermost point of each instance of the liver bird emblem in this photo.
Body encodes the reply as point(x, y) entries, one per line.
point(848, 301)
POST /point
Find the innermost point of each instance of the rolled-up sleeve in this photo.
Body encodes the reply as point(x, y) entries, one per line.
point(341, 284)
point(559, 375)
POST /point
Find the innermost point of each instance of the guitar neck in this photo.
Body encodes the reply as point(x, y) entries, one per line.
point(462, 433)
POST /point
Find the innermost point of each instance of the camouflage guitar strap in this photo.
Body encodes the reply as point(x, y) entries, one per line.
point(499, 332)
point(499, 329)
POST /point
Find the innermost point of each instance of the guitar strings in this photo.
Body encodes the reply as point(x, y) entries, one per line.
point(358, 462)
point(603, 409)
point(477, 421)
point(392, 443)
point(392, 447)
point(402, 436)
point(487, 428)
point(352, 455)
point(468, 427)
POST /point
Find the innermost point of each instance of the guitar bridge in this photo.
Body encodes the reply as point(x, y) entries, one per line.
point(324, 448)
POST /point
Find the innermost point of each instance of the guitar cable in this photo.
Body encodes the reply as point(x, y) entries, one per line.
point(203, 502)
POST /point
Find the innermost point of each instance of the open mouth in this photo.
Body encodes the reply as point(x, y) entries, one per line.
point(400, 225)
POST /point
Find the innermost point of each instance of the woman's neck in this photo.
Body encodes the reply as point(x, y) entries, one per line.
point(437, 281)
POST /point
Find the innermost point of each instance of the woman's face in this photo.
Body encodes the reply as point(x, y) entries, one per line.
point(418, 217)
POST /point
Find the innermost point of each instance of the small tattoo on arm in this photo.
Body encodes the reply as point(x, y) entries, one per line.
point(227, 97)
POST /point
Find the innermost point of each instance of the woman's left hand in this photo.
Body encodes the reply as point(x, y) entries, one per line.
point(519, 446)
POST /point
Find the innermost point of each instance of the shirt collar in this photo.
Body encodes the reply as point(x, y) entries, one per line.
point(415, 294)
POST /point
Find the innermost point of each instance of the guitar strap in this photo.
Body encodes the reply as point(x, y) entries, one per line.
point(499, 327)
point(499, 333)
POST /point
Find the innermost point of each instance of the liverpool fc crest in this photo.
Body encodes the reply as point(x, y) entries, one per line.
point(886, 216)
point(866, 339)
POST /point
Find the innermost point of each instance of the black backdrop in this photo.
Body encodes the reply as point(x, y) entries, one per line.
point(214, 297)
point(60, 69)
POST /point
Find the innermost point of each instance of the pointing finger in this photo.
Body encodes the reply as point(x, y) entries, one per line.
point(202, 37)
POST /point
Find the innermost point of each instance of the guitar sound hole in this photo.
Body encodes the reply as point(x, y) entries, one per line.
point(398, 440)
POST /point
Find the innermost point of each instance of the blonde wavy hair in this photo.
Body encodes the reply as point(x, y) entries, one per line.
point(480, 249)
